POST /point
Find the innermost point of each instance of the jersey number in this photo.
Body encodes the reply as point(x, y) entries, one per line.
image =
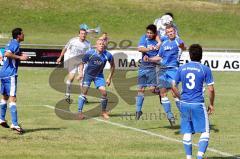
point(191, 80)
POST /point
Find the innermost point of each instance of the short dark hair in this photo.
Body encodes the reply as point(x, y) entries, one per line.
point(82, 30)
point(170, 14)
point(16, 32)
point(195, 52)
point(152, 27)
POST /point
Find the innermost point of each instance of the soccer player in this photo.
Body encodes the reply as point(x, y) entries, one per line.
point(168, 56)
point(105, 38)
point(147, 70)
point(163, 21)
point(96, 60)
point(8, 75)
point(194, 117)
point(73, 53)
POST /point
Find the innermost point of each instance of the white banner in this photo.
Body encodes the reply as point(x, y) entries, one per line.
point(217, 61)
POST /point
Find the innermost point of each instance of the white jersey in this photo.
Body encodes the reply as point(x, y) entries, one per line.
point(161, 24)
point(75, 47)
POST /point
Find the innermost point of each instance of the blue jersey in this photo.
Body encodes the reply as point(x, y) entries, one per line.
point(10, 66)
point(193, 75)
point(164, 38)
point(170, 52)
point(146, 42)
point(96, 62)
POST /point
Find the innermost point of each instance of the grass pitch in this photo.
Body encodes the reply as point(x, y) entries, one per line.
point(49, 136)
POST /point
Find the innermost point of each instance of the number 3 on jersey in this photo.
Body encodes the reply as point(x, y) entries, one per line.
point(191, 80)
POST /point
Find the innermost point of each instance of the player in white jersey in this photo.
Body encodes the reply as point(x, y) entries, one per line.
point(162, 22)
point(73, 53)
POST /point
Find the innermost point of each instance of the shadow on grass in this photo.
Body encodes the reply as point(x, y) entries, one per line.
point(41, 129)
point(122, 115)
point(212, 128)
point(152, 128)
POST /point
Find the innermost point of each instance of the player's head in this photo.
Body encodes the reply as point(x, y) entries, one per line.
point(100, 45)
point(170, 14)
point(195, 52)
point(170, 32)
point(104, 37)
point(82, 34)
point(17, 33)
point(166, 20)
point(104, 34)
point(151, 31)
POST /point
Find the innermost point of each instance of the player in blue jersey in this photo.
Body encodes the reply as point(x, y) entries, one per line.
point(168, 56)
point(147, 70)
point(96, 60)
point(194, 116)
point(8, 75)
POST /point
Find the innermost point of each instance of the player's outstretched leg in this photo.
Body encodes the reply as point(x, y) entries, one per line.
point(3, 107)
point(187, 142)
point(202, 145)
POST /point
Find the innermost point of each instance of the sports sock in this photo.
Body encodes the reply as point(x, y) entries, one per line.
point(202, 144)
point(187, 142)
point(3, 106)
point(139, 102)
point(13, 111)
point(81, 102)
point(104, 102)
point(68, 87)
point(166, 105)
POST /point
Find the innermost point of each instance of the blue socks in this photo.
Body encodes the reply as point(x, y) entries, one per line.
point(13, 111)
point(187, 142)
point(166, 105)
point(81, 102)
point(3, 107)
point(202, 145)
point(139, 102)
point(104, 102)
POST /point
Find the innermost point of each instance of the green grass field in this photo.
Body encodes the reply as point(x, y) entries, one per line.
point(49, 136)
point(55, 21)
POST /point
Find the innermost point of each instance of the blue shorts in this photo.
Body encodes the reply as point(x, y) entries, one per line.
point(147, 77)
point(166, 77)
point(9, 86)
point(98, 81)
point(194, 118)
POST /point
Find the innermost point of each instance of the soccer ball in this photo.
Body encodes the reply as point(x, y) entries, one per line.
point(166, 19)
